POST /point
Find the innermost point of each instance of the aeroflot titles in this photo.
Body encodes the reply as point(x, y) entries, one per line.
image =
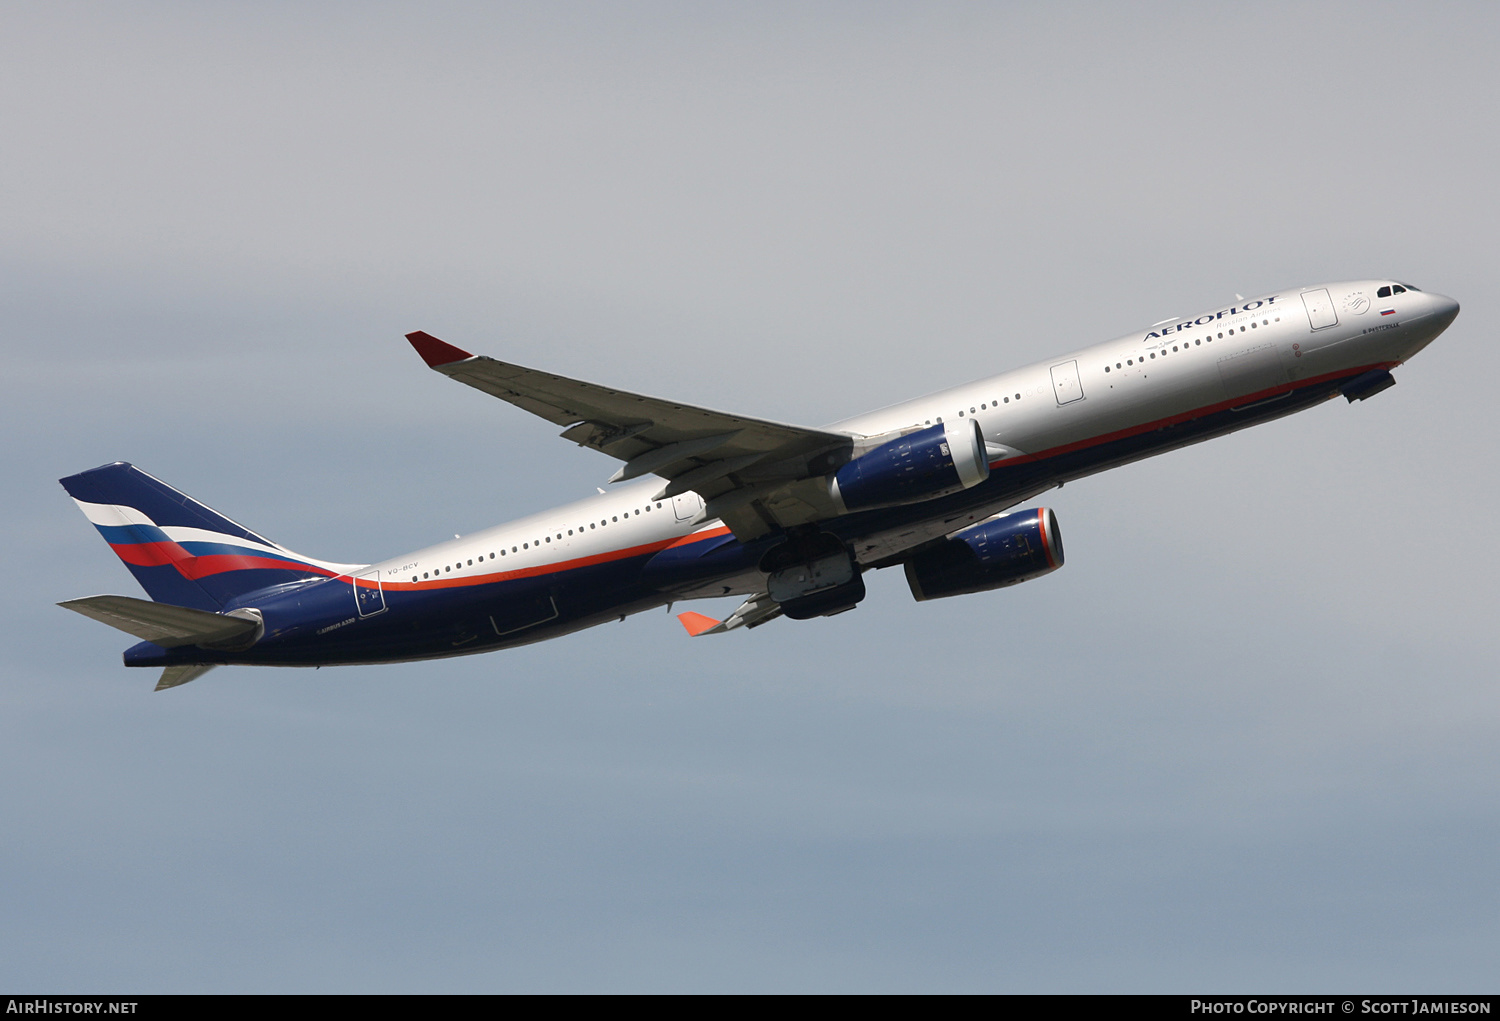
point(1205, 320)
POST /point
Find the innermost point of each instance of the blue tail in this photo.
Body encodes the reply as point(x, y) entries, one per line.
point(179, 550)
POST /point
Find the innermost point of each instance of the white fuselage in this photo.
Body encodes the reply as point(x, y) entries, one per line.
point(1174, 369)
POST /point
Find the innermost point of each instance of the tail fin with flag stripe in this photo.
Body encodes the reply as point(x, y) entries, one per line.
point(180, 551)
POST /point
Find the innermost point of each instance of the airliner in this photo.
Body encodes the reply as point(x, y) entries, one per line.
point(707, 504)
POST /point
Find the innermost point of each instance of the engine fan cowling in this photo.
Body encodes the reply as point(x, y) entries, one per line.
point(992, 554)
point(921, 465)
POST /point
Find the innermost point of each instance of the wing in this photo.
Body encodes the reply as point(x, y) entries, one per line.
point(753, 474)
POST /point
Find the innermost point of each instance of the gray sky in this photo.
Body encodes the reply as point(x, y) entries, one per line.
point(1244, 741)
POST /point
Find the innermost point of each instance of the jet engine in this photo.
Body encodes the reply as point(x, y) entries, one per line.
point(992, 554)
point(922, 465)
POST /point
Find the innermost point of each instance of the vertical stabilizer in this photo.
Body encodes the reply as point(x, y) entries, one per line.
point(181, 551)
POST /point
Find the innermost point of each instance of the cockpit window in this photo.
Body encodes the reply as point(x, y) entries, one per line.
point(1399, 289)
point(1384, 292)
point(1409, 287)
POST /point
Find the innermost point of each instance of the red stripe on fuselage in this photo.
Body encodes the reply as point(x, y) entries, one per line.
point(558, 567)
point(1186, 416)
point(688, 540)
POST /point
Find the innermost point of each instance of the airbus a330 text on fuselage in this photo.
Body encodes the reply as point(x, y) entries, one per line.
point(786, 516)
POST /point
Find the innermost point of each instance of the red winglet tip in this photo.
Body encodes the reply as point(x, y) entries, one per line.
point(435, 352)
point(697, 623)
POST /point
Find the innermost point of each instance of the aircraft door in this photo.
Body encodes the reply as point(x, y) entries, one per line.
point(686, 505)
point(1319, 307)
point(1066, 385)
point(369, 599)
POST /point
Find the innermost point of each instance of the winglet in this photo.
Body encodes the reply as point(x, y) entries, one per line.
point(435, 352)
point(697, 623)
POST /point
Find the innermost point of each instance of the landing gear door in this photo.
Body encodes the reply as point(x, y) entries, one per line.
point(368, 597)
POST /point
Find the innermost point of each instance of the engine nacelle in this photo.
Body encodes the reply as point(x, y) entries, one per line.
point(921, 465)
point(992, 554)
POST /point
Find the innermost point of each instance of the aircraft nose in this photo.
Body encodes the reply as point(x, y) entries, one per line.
point(1444, 309)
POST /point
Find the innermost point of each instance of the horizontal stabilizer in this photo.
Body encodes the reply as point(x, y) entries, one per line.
point(173, 676)
point(164, 624)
